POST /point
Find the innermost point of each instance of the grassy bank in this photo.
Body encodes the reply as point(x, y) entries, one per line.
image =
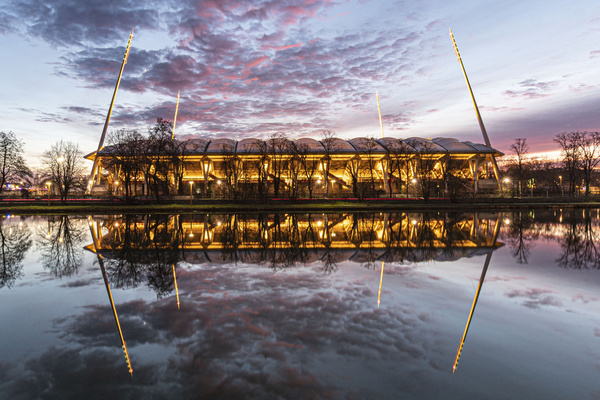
point(199, 206)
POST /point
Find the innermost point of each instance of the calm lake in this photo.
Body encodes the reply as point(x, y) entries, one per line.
point(301, 306)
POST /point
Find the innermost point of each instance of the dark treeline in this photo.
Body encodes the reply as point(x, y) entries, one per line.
point(574, 173)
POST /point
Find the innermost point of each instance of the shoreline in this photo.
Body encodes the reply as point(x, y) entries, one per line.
point(8, 206)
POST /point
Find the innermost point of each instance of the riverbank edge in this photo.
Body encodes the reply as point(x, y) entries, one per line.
point(496, 204)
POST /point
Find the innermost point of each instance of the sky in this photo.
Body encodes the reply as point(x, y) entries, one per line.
point(259, 67)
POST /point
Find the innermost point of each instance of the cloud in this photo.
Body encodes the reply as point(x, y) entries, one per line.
point(532, 89)
point(7, 23)
point(237, 335)
point(256, 55)
point(536, 297)
point(67, 23)
point(53, 117)
point(85, 111)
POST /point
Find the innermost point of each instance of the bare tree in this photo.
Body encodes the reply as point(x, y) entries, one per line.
point(160, 151)
point(425, 162)
point(293, 170)
point(309, 165)
point(277, 148)
point(571, 154)
point(589, 147)
point(328, 140)
point(230, 168)
point(370, 164)
point(12, 163)
point(519, 148)
point(400, 155)
point(64, 164)
point(127, 149)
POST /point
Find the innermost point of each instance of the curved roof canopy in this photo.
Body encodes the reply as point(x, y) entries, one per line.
point(360, 145)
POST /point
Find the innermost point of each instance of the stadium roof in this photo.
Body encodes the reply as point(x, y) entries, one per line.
point(360, 145)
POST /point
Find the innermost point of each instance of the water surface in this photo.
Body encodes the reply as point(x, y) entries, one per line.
point(297, 306)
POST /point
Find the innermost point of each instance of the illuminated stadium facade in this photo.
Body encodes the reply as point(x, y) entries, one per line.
point(302, 168)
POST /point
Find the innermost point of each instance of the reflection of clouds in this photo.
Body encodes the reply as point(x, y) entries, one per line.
point(585, 299)
point(79, 374)
point(537, 297)
point(242, 333)
point(82, 282)
point(504, 278)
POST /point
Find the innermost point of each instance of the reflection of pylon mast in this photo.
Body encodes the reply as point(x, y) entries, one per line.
point(479, 119)
point(176, 290)
point(112, 302)
point(380, 283)
point(464, 336)
point(175, 118)
point(379, 111)
point(112, 102)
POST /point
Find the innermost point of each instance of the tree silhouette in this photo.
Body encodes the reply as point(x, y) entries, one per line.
point(14, 244)
point(580, 245)
point(12, 163)
point(61, 245)
point(520, 236)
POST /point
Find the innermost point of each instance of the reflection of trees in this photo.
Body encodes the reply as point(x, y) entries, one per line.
point(451, 234)
point(520, 236)
point(362, 234)
point(425, 236)
point(14, 243)
point(579, 244)
point(60, 245)
point(145, 246)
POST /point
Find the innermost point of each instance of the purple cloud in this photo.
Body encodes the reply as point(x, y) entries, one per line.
point(253, 61)
point(70, 22)
point(237, 336)
point(532, 89)
point(535, 298)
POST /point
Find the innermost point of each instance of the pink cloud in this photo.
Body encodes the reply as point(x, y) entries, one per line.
point(279, 48)
point(256, 62)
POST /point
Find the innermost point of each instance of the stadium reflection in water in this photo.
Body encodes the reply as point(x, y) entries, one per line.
point(284, 240)
point(302, 305)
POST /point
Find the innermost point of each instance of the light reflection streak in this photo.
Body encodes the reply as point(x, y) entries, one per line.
point(481, 279)
point(176, 289)
point(464, 336)
point(380, 283)
point(108, 291)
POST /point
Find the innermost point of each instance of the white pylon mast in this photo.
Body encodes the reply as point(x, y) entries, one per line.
point(112, 103)
point(479, 119)
point(379, 111)
point(175, 118)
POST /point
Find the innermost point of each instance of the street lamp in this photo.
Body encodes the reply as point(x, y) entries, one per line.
point(562, 190)
point(48, 184)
